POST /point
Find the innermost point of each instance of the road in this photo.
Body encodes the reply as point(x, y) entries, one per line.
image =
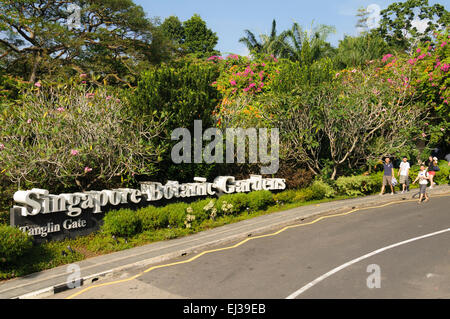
point(398, 251)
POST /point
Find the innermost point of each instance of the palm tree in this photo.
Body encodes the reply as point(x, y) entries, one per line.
point(306, 46)
point(268, 44)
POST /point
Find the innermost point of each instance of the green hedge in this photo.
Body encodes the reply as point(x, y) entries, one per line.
point(123, 222)
point(260, 200)
point(152, 218)
point(13, 243)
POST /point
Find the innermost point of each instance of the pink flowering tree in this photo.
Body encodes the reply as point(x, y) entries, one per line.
point(73, 137)
point(241, 80)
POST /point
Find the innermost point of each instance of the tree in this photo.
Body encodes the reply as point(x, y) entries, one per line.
point(269, 44)
point(357, 51)
point(173, 29)
point(306, 46)
point(198, 39)
point(399, 22)
point(113, 38)
point(352, 121)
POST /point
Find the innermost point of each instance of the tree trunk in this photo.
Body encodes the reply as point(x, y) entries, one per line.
point(36, 60)
point(333, 176)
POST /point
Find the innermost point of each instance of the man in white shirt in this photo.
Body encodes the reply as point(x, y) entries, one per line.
point(423, 182)
point(403, 174)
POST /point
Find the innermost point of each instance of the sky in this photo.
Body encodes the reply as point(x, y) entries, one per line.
point(230, 18)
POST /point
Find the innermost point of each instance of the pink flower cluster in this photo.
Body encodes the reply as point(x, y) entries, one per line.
point(233, 56)
point(215, 57)
point(445, 67)
point(386, 57)
point(2, 147)
point(74, 152)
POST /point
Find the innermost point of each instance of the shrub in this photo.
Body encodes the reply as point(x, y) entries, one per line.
point(232, 203)
point(152, 218)
point(260, 200)
point(13, 243)
point(285, 197)
point(443, 175)
point(123, 222)
point(357, 185)
point(176, 214)
point(204, 209)
point(322, 190)
point(304, 195)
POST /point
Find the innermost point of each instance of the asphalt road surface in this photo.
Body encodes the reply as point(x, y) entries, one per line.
point(398, 251)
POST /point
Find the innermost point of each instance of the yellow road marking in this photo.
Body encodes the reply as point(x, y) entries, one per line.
point(239, 244)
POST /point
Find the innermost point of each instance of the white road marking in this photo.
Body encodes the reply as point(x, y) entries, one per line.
point(335, 270)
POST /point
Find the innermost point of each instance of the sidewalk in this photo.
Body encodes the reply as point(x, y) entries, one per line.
point(51, 281)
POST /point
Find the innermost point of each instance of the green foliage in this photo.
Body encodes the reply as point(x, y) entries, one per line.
point(357, 185)
point(177, 94)
point(123, 222)
point(152, 218)
point(398, 17)
point(285, 197)
point(322, 190)
point(173, 29)
point(114, 39)
point(176, 214)
point(68, 136)
point(357, 51)
point(304, 195)
point(198, 39)
point(260, 200)
point(442, 176)
point(232, 203)
point(192, 37)
point(13, 243)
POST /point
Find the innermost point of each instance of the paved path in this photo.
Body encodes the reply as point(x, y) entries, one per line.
point(121, 264)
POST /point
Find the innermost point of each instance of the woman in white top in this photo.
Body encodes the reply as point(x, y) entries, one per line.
point(423, 178)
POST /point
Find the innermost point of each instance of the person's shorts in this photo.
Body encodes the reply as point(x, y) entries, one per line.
point(403, 179)
point(423, 188)
point(387, 180)
point(432, 173)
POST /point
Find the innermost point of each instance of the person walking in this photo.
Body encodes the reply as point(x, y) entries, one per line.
point(387, 176)
point(431, 171)
point(403, 174)
point(423, 178)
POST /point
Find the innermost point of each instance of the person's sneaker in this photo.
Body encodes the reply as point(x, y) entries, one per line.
point(403, 192)
point(392, 193)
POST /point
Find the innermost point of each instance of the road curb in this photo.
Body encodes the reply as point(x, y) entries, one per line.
point(95, 278)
